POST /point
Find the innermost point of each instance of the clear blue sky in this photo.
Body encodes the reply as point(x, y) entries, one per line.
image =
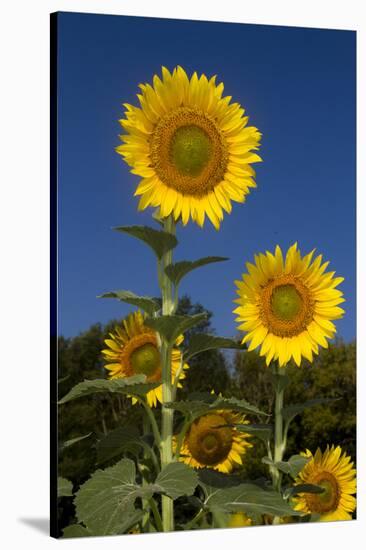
point(298, 87)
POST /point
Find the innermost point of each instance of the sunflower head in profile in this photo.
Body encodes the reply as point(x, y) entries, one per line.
point(213, 442)
point(239, 519)
point(133, 349)
point(334, 472)
point(190, 145)
point(287, 305)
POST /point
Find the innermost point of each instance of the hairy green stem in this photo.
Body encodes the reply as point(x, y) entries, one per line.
point(150, 451)
point(152, 419)
point(269, 450)
point(200, 514)
point(176, 379)
point(180, 438)
point(285, 432)
point(156, 514)
point(145, 502)
point(279, 443)
point(168, 308)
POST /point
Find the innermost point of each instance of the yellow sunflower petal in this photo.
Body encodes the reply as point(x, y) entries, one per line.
point(327, 470)
point(191, 146)
point(133, 349)
point(210, 444)
point(287, 306)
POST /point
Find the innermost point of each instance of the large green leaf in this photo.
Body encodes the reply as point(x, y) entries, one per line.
point(293, 466)
point(249, 498)
point(291, 411)
point(262, 431)
point(203, 342)
point(171, 326)
point(133, 385)
point(148, 304)
point(303, 488)
point(240, 405)
point(64, 487)
point(195, 408)
point(190, 409)
point(178, 270)
point(70, 442)
point(122, 439)
point(105, 503)
point(160, 241)
point(211, 480)
point(177, 479)
point(76, 530)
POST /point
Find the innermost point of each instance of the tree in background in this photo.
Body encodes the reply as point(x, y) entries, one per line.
point(332, 375)
point(208, 370)
point(80, 358)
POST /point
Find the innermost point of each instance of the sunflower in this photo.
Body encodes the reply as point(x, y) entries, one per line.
point(212, 442)
point(191, 147)
point(336, 474)
point(133, 349)
point(239, 519)
point(287, 306)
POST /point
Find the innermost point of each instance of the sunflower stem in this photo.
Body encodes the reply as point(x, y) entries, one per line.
point(180, 438)
point(169, 302)
point(200, 514)
point(156, 514)
point(145, 502)
point(176, 379)
point(279, 443)
point(152, 420)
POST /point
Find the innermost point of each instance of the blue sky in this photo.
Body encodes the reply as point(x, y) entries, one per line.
point(297, 86)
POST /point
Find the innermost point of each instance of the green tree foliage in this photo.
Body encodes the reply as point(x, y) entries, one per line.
point(80, 358)
point(331, 375)
point(208, 370)
point(240, 374)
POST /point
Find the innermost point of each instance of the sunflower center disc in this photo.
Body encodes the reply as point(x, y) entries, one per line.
point(191, 150)
point(286, 302)
point(208, 443)
point(286, 306)
point(145, 360)
point(328, 500)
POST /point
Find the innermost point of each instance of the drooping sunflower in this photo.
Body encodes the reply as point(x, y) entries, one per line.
point(212, 442)
point(239, 519)
point(333, 471)
point(191, 147)
point(133, 349)
point(287, 306)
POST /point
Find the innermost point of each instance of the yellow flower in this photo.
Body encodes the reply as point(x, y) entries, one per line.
point(287, 306)
point(239, 519)
point(133, 349)
point(191, 147)
point(211, 442)
point(336, 474)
